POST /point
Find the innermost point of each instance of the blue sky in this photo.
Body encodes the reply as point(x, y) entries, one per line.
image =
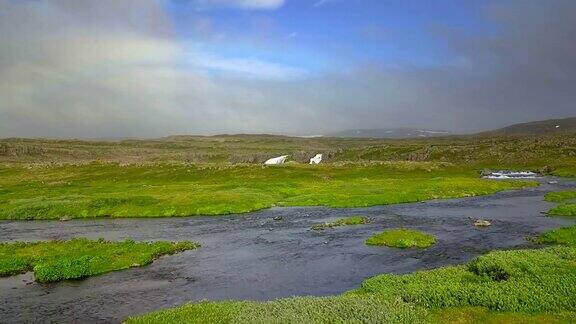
point(316, 35)
point(148, 68)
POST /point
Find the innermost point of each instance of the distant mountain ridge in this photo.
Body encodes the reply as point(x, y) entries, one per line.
point(390, 133)
point(541, 127)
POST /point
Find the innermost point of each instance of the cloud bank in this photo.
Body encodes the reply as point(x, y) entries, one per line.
point(242, 4)
point(109, 68)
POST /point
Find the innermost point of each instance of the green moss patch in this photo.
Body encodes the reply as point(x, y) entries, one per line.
point(347, 221)
point(79, 258)
point(567, 200)
point(516, 281)
point(560, 196)
point(402, 238)
point(560, 236)
point(566, 171)
point(482, 315)
point(563, 210)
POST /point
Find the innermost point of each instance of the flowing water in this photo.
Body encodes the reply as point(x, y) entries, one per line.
point(268, 254)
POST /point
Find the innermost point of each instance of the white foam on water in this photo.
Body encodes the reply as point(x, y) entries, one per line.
point(512, 175)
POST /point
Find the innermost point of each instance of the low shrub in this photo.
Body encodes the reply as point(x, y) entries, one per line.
point(348, 221)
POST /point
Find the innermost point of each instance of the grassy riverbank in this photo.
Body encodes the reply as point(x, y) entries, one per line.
point(80, 258)
point(111, 190)
point(567, 203)
point(561, 236)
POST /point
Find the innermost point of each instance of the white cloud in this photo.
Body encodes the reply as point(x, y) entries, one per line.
point(320, 3)
point(245, 67)
point(242, 4)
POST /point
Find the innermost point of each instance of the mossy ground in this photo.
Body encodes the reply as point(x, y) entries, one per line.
point(563, 210)
point(338, 309)
point(530, 281)
point(347, 221)
point(402, 238)
point(561, 196)
point(79, 258)
point(567, 200)
point(560, 236)
point(111, 190)
point(482, 315)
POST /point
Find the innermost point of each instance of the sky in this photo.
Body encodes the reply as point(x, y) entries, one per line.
point(151, 68)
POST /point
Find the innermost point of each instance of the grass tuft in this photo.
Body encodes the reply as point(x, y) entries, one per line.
point(567, 200)
point(560, 236)
point(347, 221)
point(560, 196)
point(482, 315)
point(563, 210)
point(402, 238)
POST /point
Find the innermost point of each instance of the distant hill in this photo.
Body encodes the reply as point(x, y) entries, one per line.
point(542, 127)
point(390, 133)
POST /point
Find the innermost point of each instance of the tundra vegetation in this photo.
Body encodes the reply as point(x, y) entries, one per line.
point(567, 200)
point(402, 238)
point(553, 153)
point(563, 210)
point(79, 258)
point(347, 221)
point(560, 236)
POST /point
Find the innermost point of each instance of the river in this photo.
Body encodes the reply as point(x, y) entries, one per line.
point(268, 254)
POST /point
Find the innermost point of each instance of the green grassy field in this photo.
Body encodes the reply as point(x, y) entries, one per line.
point(195, 175)
point(402, 238)
point(524, 286)
point(111, 190)
point(80, 258)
